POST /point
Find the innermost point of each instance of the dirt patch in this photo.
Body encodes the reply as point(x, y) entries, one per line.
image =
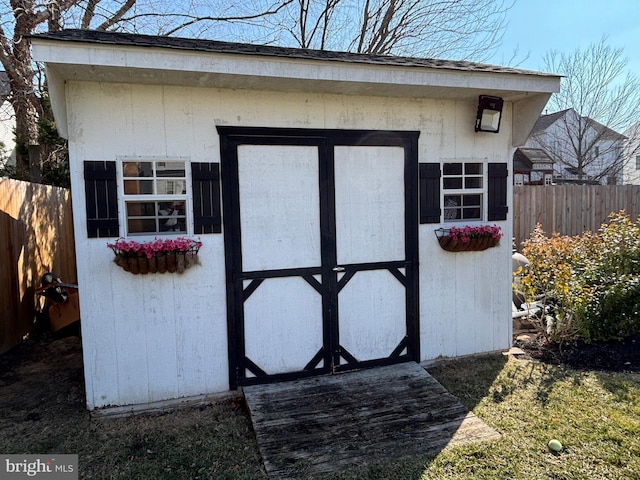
point(42, 377)
point(611, 356)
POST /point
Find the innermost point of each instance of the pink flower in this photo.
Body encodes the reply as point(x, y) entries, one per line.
point(158, 246)
point(466, 233)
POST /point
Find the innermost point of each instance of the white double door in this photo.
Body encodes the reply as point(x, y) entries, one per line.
point(324, 263)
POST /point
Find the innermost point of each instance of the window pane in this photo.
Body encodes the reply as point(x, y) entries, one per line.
point(452, 169)
point(137, 225)
point(138, 187)
point(452, 210)
point(452, 200)
point(171, 208)
point(473, 182)
point(170, 169)
point(171, 187)
point(473, 168)
point(471, 200)
point(141, 209)
point(471, 213)
point(451, 214)
point(451, 183)
point(137, 169)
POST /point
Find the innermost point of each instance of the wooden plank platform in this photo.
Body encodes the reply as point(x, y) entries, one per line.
point(325, 424)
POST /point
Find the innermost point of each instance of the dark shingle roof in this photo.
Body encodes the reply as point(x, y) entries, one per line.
point(213, 46)
point(605, 132)
point(546, 121)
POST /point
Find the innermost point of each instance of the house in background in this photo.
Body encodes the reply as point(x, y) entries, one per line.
point(632, 155)
point(316, 182)
point(532, 166)
point(562, 134)
point(7, 123)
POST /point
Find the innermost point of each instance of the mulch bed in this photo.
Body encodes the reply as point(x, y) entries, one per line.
point(611, 356)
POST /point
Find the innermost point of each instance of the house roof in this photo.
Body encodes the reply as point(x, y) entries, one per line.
point(546, 121)
point(606, 132)
point(83, 55)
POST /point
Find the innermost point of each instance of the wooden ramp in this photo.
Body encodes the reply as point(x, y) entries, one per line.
point(324, 424)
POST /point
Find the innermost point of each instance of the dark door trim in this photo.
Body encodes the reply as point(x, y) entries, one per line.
point(325, 140)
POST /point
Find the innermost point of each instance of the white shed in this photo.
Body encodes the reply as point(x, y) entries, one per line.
point(315, 182)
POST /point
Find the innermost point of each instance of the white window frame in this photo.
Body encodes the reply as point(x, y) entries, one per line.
point(518, 179)
point(548, 179)
point(123, 198)
point(482, 191)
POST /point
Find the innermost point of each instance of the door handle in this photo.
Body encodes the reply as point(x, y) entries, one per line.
point(338, 269)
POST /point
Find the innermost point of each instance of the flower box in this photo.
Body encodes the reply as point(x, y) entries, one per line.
point(157, 256)
point(468, 238)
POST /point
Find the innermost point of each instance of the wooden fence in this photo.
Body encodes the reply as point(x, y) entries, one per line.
point(570, 209)
point(36, 236)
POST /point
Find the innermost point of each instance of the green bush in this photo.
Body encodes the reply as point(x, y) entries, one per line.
point(590, 282)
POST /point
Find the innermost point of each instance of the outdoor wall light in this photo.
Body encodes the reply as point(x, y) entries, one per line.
point(489, 114)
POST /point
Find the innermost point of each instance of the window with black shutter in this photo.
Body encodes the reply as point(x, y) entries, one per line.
point(101, 199)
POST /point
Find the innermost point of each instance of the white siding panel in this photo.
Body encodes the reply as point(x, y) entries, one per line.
point(369, 204)
point(279, 207)
point(283, 325)
point(372, 313)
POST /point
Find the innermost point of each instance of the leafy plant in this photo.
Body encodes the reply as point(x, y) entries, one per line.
point(590, 282)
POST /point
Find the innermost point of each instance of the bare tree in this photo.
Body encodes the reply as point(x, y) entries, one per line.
point(598, 99)
point(460, 29)
point(21, 18)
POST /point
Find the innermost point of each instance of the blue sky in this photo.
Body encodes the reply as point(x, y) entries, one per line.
point(537, 26)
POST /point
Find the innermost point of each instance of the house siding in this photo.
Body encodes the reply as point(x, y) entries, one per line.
point(156, 337)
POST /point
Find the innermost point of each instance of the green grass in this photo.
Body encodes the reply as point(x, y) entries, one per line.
point(595, 415)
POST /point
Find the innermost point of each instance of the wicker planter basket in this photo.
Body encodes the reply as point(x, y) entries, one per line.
point(475, 244)
point(172, 262)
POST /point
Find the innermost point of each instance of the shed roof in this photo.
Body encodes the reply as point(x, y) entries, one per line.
point(525, 158)
point(85, 55)
point(214, 46)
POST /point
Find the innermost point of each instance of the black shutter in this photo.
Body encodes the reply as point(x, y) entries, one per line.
point(206, 197)
point(497, 190)
point(101, 199)
point(430, 193)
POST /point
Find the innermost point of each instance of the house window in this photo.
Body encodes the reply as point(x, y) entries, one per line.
point(637, 162)
point(463, 186)
point(154, 196)
point(518, 179)
point(548, 179)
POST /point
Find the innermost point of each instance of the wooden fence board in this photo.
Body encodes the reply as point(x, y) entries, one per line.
point(36, 236)
point(570, 209)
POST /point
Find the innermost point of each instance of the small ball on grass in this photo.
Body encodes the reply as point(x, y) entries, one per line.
point(555, 446)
